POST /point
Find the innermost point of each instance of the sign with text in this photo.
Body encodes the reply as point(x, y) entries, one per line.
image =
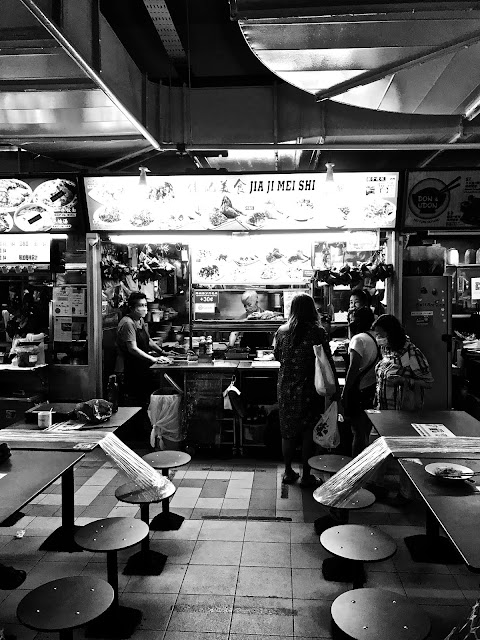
point(243, 202)
point(38, 205)
point(205, 303)
point(443, 199)
point(16, 248)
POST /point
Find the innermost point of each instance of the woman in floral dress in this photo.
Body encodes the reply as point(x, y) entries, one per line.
point(300, 406)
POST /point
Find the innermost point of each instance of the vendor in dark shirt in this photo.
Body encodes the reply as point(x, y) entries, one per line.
point(134, 344)
point(251, 339)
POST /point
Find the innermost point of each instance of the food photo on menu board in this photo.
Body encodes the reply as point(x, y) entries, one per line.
point(37, 205)
point(267, 259)
point(443, 199)
point(246, 202)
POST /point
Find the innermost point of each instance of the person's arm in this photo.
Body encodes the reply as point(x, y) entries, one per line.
point(154, 347)
point(328, 353)
point(353, 370)
point(418, 368)
point(133, 350)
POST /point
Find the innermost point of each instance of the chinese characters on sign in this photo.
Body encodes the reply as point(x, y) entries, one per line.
point(25, 249)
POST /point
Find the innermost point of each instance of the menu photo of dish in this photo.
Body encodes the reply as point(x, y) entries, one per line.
point(38, 205)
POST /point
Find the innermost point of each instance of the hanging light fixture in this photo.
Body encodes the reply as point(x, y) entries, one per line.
point(142, 181)
point(329, 176)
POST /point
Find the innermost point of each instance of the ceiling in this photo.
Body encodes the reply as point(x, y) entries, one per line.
point(171, 83)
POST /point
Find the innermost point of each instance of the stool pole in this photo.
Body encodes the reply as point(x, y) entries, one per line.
point(166, 502)
point(144, 515)
point(112, 575)
point(66, 634)
point(359, 578)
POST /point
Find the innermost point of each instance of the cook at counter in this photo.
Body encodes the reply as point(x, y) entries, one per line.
point(133, 346)
point(251, 339)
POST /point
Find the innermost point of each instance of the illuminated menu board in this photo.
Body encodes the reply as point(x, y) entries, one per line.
point(16, 248)
point(245, 202)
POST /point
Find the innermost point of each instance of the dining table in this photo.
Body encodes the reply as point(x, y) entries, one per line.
point(26, 473)
point(452, 506)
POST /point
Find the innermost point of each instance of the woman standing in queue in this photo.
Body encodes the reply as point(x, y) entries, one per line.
point(134, 344)
point(300, 406)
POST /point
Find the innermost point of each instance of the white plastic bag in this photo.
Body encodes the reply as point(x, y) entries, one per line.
point(324, 377)
point(325, 432)
point(165, 416)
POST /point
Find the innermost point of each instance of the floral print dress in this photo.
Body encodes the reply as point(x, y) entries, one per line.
point(300, 406)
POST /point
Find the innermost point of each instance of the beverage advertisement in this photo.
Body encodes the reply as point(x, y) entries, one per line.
point(38, 205)
point(443, 199)
point(243, 259)
point(246, 202)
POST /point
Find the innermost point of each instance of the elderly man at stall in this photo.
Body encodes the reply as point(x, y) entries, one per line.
point(250, 339)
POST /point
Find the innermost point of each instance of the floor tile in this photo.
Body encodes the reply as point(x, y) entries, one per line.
point(221, 530)
point(470, 585)
point(216, 552)
point(219, 475)
point(262, 616)
point(191, 483)
point(199, 514)
point(98, 569)
point(156, 608)
point(444, 617)
point(263, 499)
point(197, 475)
point(214, 489)
point(235, 503)
point(293, 516)
point(384, 580)
point(208, 613)
point(432, 588)
point(178, 551)
point(189, 530)
point(264, 582)
point(193, 635)
point(308, 556)
point(265, 554)
point(217, 580)
point(261, 514)
point(312, 618)
point(303, 532)
point(169, 581)
point(46, 571)
point(209, 503)
point(403, 563)
point(238, 493)
point(267, 531)
point(309, 584)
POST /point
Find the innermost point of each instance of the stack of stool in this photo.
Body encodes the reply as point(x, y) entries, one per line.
point(361, 499)
point(65, 604)
point(166, 460)
point(109, 536)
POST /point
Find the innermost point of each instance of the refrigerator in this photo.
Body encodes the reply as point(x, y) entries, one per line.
point(427, 319)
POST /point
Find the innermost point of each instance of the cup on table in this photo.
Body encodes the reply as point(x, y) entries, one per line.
point(44, 419)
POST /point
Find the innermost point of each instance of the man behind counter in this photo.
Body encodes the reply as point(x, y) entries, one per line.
point(134, 344)
point(251, 339)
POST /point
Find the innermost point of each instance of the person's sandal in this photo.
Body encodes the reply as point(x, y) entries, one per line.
point(311, 482)
point(289, 477)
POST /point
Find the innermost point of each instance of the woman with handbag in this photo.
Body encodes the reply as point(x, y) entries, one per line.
point(359, 391)
point(300, 406)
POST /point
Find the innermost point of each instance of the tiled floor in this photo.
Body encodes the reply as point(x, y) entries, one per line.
point(229, 574)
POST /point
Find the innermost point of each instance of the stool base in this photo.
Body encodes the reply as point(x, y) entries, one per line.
point(342, 570)
point(61, 540)
point(117, 622)
point(166, 521)
point(150, 563)
point(436, 549)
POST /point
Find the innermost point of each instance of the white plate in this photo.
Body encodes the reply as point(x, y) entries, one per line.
point(101, 212)
point(8, 221)
point(25, 218)
point(59, 194)
point(14, 193)
point(435, 467)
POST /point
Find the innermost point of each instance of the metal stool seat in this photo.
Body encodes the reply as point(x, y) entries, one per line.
point(328, 462)
point(166, 460)
point(111, 535)
point(357, 544)
point(146, 562)
point(372, 614)
point(65, 604)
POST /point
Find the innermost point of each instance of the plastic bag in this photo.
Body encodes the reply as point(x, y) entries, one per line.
point(325, 432)
point(165, 416)
point(324, 377)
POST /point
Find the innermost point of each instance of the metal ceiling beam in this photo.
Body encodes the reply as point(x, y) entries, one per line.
point(305, 146)
point(124, 158)
point(167, 31)
point(77, 57)
point(409, 61)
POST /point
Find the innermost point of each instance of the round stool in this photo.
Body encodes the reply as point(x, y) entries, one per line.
point(361, 499)
point(110, 535)
point(145, 562)
point(357, 544)
point(166, 460)
point(65, 604)
point(370, 614)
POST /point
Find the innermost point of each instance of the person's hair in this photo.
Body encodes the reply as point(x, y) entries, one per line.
point(362, 296)
point(396, 335)
point(134, 298)
point(362, 320)
point(250, 295)
point(303, 314)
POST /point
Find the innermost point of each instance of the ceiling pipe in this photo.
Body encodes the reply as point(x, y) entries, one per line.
point(435, 154)
point(307, 146)
point(88, 70)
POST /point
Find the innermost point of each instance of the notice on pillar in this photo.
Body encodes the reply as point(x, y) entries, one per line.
point(62, 329)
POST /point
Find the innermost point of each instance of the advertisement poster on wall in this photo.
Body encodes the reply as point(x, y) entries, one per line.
point(38, 205)
point(243, 202)
point(443, 199)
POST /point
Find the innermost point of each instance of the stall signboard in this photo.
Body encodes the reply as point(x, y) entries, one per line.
point(443, 199)
point(16, 248)
point(38, 205)
point(272, 259)
point(242, 202)
point(205, 303)
point(69, 301)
